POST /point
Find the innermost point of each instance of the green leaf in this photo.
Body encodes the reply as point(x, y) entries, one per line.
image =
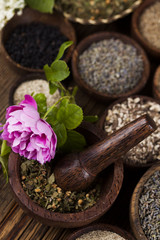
point(41, 101)
point(61, 133)
point(49, 73)
point(4, 163)
point(60, 70)
point(71, 116)
point(52, 117)
point(53, 86)
point(62, 48)
point(91, 119)
point(64, 103)
point(5, 149)
point(45, 6)
point(75, 142)
point(74, 92)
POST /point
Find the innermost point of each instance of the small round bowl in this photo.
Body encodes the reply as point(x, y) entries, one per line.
point(153, 51)
point(156, 84)
point(101, 227)
point(100, 20)
point(134, 213)
point(28, 16)
point(102, 120)
point(112, 182)
point(85, 43)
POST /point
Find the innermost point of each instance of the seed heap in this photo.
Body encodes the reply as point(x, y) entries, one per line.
point(39, 184)
point(122, 113)
point(100, 235)
point(94, 9)
point(149, 207)
point(111, 66)
point(149, 24)
point(34, 45)
point(36, 86)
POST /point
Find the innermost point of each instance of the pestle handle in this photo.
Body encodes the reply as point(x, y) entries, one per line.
point(77, 171)
point(99, 156)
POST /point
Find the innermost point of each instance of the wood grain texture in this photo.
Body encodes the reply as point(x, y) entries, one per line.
point(134, 206)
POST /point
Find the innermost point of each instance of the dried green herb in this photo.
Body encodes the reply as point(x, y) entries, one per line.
point(39, 184)
point(94, 9)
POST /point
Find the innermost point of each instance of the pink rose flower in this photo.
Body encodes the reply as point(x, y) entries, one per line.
point(28, 134)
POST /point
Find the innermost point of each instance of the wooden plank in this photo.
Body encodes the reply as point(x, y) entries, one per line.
point(14, 225)
point(6, 200)
point(53, 233)
point(34, 231)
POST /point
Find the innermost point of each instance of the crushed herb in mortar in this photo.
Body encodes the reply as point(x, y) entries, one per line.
point(94, 9)
point(39, 184)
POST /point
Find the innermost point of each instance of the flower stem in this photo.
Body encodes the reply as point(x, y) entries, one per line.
point(50, 109)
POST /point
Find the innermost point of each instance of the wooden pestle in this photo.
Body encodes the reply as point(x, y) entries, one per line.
point(76, 171)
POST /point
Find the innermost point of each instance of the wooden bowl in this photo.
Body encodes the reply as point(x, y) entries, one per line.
point(112, 182)
point(153, 51)
point(134, 214)
point(100, 20)
point(85, 43)
point(29, 15)
point(102, 227)
point(25, 78)
point(102, 119)
point(156, 84)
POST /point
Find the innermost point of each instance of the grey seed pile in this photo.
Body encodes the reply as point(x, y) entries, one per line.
point(149, 207)
point(127, 111)
point(111, 66)
point(100, 235)
point(149, 24)
point(36, 86)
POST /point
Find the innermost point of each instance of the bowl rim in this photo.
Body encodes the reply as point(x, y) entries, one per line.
point(102, 20)
point(156, 78)
point(103, 227)
point(135, 28)
point(96, 37)
point(101, 121)
point(36, 16)
point(134, 215)
point(67, 220)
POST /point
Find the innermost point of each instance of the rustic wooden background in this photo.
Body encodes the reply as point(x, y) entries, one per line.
point(14, 223)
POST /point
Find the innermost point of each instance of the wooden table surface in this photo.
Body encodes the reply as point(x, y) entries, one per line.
point(14, 223)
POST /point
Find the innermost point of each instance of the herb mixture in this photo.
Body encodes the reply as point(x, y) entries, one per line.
point(39, 184)
point(94, 9)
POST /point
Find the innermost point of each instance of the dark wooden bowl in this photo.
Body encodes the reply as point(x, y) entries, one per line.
point(156, 80)
point(85, 43)
point(103, 227)
point(134, 215)
point(29, 15)
point(153, 51)
point(112, 182)
point(101, 122)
